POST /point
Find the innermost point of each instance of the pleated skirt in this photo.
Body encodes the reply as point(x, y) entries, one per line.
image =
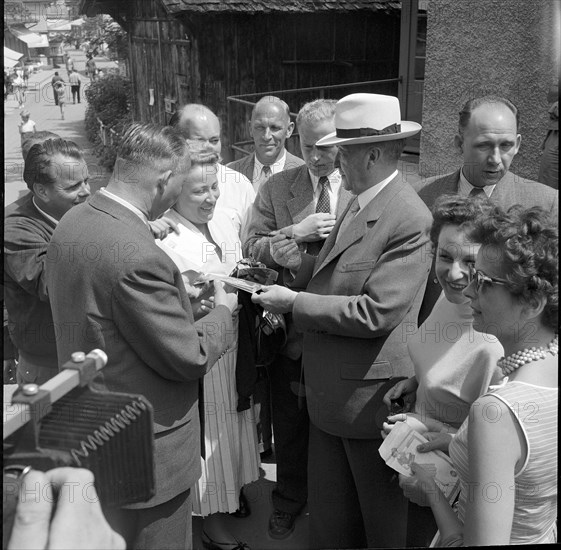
point(232, 456)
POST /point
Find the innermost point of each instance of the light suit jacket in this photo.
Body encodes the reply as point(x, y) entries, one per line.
point(361, 295)
point(284, 199)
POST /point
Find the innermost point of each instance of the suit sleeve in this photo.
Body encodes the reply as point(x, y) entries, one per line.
point(262, 219)
point(25, 256)
point(148, 311)
point(399, 274)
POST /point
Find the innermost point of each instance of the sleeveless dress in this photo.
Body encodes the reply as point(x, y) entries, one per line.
point(535, 506)
point(231, 452)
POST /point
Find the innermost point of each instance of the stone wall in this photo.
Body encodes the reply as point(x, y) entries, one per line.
point(475, 47)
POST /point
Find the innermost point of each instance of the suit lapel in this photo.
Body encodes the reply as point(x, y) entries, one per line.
point(333, 247)
point(504, 192)
point(301, 205)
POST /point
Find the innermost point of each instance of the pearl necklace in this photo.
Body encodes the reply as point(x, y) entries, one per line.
point(516, 360)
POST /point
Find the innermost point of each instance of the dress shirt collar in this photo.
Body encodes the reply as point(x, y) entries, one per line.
point(276, 167)
point(125, 203)
point(43, 213)
point(334, 181)
point(465, 187)
point(366, 196)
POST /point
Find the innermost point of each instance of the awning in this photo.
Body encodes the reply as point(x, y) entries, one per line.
point(34, 40)
point(11, 57)
point(59, 26)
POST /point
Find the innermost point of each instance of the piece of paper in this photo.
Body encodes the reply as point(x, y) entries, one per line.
point(399, 450)
point(242, 284)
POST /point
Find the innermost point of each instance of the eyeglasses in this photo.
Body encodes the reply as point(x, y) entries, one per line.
point(479, 277)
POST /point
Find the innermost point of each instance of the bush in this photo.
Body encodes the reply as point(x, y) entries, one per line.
point(109, 100)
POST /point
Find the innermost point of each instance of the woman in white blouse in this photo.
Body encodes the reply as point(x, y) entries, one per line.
point(205, 242)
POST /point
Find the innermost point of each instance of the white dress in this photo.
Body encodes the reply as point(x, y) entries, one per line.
point(232, 456)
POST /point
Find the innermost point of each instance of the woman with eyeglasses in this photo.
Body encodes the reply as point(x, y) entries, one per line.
point(506, 450)
point(453, 364)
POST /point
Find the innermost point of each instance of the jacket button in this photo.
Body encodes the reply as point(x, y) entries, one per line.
point(435, 281)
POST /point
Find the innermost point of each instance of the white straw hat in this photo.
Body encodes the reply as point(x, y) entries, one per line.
point(367, 118)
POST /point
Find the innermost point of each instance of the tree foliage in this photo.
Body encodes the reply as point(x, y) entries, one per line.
point(109, 100)
point(102, 32)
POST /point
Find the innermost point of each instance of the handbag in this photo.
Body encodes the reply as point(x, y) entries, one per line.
point(269, 328)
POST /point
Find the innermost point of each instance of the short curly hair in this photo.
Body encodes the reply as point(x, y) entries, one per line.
point(529, 243)
point(456, 210)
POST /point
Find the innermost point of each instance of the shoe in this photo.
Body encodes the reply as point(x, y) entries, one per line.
point(244, 510)
point(281, 524)
point(210, 544)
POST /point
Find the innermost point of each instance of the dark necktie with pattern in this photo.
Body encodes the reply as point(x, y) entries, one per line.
point(266, 171)
point(323, 204)
point(476, 191)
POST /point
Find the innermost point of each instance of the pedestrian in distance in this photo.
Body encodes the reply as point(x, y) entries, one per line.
point(26, 126)
point(60, 95)
point(75, 83)
point(56, 78)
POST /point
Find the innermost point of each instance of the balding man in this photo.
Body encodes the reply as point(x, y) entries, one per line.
point(119, 292)
point(488, 141)
point(201, 127)
point(57, 177)
point(270, 126)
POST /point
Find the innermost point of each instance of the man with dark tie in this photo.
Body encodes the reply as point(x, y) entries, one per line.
point(488, 141)
point(303, 203)
point(270, 126)
point(357, 296)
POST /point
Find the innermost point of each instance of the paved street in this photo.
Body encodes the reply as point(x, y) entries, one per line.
point(40, 103)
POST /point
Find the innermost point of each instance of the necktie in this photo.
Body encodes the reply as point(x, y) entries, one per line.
point(476, 191)
point(323, 204)
point(349, 217)
point(266, 172)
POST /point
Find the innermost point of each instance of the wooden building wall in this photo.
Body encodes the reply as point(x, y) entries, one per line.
point(205, 58)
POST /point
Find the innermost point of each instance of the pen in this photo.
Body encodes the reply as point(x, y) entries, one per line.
point(263, 234)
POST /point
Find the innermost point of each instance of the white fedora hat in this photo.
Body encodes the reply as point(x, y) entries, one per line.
point(366, 118)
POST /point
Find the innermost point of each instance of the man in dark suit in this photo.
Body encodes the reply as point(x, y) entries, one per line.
point(364, 286)
point(270, 126)
point(488, 140)
point(303, 203)
point(112, 288)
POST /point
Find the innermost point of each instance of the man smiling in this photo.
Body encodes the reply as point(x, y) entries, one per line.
point(57, 176)
point(488, 141)
point(270, 127)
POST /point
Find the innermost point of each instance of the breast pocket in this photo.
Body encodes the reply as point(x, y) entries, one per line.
point(379, 370)
point(358, 266)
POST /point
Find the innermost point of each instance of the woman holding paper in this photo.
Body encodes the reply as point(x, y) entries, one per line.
point(453, 364)
point(205, 241)
point(505, 452)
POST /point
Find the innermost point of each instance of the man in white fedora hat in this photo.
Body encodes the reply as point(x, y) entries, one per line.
point(357, 296)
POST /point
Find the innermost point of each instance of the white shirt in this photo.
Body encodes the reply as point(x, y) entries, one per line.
point(42, 212)
point(332, 187)
point(465, 187)
point(236, 196)
point(259, 178)
point(366, 196)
